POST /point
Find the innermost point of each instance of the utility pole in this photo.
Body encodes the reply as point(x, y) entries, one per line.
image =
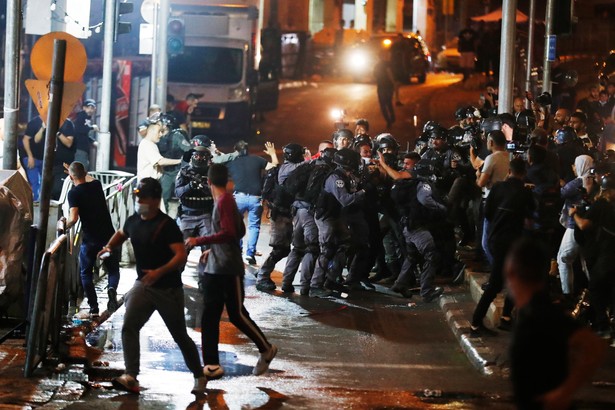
point(104, 135)
point(546, 68)
point(155, 42)
point(530, 50)
point(507, 55)
point(162, 64)
point(11, 84)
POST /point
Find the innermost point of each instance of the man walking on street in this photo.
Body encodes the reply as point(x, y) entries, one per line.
point(161, 256)
point(246, 172)
point(223, 279)
point(87, 202)
point(83, 126)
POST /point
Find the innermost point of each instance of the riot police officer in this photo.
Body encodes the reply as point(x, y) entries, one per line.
point(173, 144)
point(415, 198)
point(342, 138)
point(192, 190)
point(281, 225)
point(337, 215)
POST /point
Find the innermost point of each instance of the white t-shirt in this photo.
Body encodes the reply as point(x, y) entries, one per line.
point(496, 165)
point(148, 156)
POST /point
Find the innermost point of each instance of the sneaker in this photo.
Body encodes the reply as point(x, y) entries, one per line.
point(213, 371)
point(250, 260)
point(126, 382)
point(288, 289)
point(334, 286)
point(200, 385)
point(264, 359)
point(266, 286)
point(482, 331)
point(319, 293)
point(433, 294)
point(112, 304)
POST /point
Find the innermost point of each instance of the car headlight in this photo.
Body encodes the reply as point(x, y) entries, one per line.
point(238, 94)
point(357, 60)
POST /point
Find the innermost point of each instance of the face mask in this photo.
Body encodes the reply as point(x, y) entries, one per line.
point(141, 209)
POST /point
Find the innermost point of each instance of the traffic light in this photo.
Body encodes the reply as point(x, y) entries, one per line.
point(120, 26)
point(562, 17)
point(176, 31)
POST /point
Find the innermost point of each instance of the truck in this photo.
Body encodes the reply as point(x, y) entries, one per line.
point(217, 57)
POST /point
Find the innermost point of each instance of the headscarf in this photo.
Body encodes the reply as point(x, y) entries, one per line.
point(582, 165)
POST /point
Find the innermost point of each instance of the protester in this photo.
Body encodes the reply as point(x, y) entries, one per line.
point(84, 126)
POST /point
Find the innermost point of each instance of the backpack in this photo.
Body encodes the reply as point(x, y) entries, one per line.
point(297, 181)
point(270, 183)
point(316, 182)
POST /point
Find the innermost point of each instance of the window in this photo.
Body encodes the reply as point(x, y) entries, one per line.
point(207, 65)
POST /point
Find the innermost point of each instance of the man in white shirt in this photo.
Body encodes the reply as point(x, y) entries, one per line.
point(494, 169)
point(149, 160)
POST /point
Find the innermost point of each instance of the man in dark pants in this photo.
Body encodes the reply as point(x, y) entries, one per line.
point(551, 355)
point(87, 202)
point(508, 209)
point(173, 144)
point(385, 87)
point(161, 257)
point(223, 279)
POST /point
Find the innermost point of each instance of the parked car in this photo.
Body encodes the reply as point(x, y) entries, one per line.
point(415, 61)
point(449, 58)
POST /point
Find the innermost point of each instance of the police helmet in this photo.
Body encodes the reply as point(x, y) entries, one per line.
point(327, 155)
point(343, 133)
point(491, 124)
point(293, 153)
point(361, 139)
point(386, 140)
point(456, 134)
point(608, 182)
point(168, 120)
point(565, 134)
point(430, 126)
point(544, 99)
point(201, 156)
point(200, 141)
point(348, 159)
point(439, 133)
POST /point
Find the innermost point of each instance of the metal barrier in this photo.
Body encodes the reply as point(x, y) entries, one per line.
point(49, 307)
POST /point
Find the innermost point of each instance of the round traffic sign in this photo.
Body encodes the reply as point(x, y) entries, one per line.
point(42, 56)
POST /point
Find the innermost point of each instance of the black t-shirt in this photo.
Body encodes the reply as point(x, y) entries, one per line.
point(38, 149)
point(151, 240)
point(83, 126)
point(383, 80)
point(467, 40)
point(539, 350)
point(65, 154)
point(95, 219)
point(508, 204)
point(246, 173)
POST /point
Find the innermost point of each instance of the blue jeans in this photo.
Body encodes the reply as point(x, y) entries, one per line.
point(87, 259)
point(35, 176)
point(252, 205)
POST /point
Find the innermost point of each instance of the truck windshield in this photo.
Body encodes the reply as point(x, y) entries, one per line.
point(206, 65)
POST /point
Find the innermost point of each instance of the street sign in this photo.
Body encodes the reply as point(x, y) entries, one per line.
point(552, 48)
point(42, 55)
point(39, 91)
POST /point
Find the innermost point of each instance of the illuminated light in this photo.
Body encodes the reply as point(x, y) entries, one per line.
point(387, 42)
point(97, 29)
point(67, 19)
point(53, 6)
point(337, 114)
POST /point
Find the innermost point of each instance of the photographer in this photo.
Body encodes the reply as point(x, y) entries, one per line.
point(573, 193)
point(600, 220)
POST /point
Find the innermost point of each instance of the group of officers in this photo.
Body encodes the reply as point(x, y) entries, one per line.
point(363, 205)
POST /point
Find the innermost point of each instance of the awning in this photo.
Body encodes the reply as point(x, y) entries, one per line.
point(496, 16)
